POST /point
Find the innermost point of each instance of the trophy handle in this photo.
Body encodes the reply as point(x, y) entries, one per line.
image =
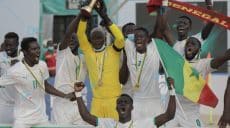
point(86, 10)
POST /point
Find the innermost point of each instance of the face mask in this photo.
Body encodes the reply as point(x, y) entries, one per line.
point(50, 48)
point(130, 37)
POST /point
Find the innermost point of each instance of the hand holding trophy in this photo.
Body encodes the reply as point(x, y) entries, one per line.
point(86, 10)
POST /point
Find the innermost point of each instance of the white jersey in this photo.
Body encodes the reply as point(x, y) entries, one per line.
point(204, 68)
point(150, 70)
point(70, 69)
point(111, 123)
point(149, 92)
point(127, 88)
point(7, 94)
point(190, 108)
point(180, 45)
point(29, 100)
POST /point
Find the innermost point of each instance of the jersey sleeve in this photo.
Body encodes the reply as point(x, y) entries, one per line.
point(206, 65)
point(118, 37)
point(83, 70)
point(44, 70)
point(7, 79)
point(82, 38)
point(129, 46)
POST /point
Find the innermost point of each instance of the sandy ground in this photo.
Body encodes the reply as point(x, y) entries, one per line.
point(209, 123)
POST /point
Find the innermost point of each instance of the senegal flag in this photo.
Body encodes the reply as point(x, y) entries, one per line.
point(188, 82)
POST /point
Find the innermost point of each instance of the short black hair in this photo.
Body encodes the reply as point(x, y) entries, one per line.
point(194, 38)
point(186, 17)
point(12, 35)
point(126, 25)
point(26, 41)
point(126, 95)
point(142, 29)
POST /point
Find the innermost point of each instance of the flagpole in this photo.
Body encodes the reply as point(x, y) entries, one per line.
point(209, 83)
point(178, 102)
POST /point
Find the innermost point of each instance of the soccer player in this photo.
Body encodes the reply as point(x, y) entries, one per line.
point(102, 63)
point(29, 77)
point(8, 58)
point(70, 69)
point(204, 67)
point(184, 25)
point(124, 107)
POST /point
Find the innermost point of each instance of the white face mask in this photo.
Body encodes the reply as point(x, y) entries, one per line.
point(130, 37)
point(50, 48)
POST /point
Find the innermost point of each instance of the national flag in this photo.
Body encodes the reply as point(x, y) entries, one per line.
point(152, 6)
point(199, 12)
point(188, 82)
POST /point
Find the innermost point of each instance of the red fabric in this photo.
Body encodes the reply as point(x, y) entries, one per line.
point(199, 12)
point(152, 5)
point(50, 58)
point(207, 97)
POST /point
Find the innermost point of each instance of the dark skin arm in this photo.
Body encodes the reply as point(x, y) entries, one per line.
point(225, 118)
point(53, 91)
point(162, 29)
point(72, 28)
point(85, 114)
point(159, 26)
point(124, 71)
point(208, 27)
point(217, 62)
point(171, 109)
point(102, 11)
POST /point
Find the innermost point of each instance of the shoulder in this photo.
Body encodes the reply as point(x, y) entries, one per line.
point(21, 55)
point(205, 61)
point(18, 67)
point(42, 64)
point(198, 36)
point(2, 55)
point(106, 122)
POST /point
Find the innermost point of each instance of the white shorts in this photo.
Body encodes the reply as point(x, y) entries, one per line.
point(6, 114)
point(193, 120)
point(21, 124)
point(66, 112)
point(146, 108)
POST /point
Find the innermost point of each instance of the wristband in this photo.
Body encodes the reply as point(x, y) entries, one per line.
point(172, 92)
point(78, 94)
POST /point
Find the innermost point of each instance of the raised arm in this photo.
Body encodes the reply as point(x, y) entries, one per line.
point(161, 29)
point(85, 114)
point(124, 70)
point(208, 27)
point(217, 62)
point(81, 35)
point(72, 28)
point(171, 109)
point(115, 31)
point(225, 118)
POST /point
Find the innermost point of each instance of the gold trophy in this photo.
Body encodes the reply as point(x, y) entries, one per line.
point(86, 10)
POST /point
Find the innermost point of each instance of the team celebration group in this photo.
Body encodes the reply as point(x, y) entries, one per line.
point(126, 73)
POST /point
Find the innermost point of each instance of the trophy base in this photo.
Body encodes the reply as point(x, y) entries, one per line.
point(85, 13)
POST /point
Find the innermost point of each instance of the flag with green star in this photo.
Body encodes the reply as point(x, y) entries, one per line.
point(188, 82)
